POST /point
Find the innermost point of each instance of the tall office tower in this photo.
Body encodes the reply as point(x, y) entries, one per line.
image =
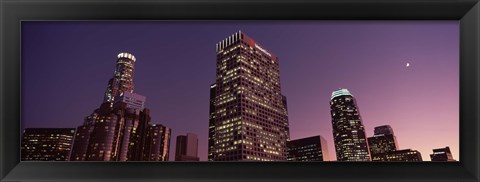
point(312, 148)
point(250, 118)
point(82, 137)
point(47, 144)
point(406, 155)
point(348, 131)
point(211, 123)
point(122, 80)
point(111, 135)
point(157, 143)
point(119, 129)
point(382, 141)
point(187, 148)
point(442, 154)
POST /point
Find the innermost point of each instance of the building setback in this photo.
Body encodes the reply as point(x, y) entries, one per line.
point(308, 149)
point(187, 148)
point(442, 154)
point(118, 129)
point(250, 118)
point(382, 141)
point(47, 144)
point(348, 130)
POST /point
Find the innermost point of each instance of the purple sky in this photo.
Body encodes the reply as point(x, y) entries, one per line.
point(66, 67)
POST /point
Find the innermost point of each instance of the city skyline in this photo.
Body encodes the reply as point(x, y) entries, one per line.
point(297, 130)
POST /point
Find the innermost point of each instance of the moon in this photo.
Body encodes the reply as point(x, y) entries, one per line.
point(408, 65)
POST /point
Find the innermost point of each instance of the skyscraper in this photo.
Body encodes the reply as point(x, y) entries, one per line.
point(312, 148)
point(122, 80)
point(382, 141)
point(157, 146)
point(47, 144)
point(118, 129)
point(442, 154)
point(211, 123)
point(348, 130)
point(82, 138)
point(250, 117)
point(187, 148)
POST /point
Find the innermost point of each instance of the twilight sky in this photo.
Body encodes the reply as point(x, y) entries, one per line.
point(66, 67)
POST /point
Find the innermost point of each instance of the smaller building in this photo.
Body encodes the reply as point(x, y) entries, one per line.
point(47, 144)
point(382, 141)
point(308, 149)
point(406, 155)
point(442, 154)
point(187, 148)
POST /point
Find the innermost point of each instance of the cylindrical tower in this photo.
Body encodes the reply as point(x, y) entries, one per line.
point(122, 80)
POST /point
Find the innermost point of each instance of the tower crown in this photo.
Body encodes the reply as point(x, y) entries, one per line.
point(127, 55)
point(340, 92)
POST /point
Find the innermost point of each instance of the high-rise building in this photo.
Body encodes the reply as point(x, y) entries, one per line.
point(211, 123)
point(250, 117)
point(82, 138)
point(114, 129)
point(382, 141)
point(312, 148)
point(348, 130)
point(47, 144)
point(157, 146)
point(187, 148)
point(122, 80)
point(406, 155)
point(442, 154)
point(119, 129)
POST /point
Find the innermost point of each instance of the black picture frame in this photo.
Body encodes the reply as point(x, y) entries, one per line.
point(12, 12)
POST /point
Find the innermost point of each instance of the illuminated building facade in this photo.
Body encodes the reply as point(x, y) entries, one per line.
point(187, 148)
point(406, 155)
point(348, 130)
point(47, 144)
point(211, 123)
point(442, 154)
point(157, 146)
point(250, 118)
point(382, 141)
point(122, 80)
point(308, 149)
point(119, 129)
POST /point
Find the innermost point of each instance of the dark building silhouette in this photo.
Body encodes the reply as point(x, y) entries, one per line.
point(211, 123)
point(287, 127)
point(187, 148)
point(81, 139)
point(250, 117)
point(348, 130)
point(47, 144)
point(308, 149)
point(442, 154)
point(157, 146)
point(382, 141)
point(406, 155)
